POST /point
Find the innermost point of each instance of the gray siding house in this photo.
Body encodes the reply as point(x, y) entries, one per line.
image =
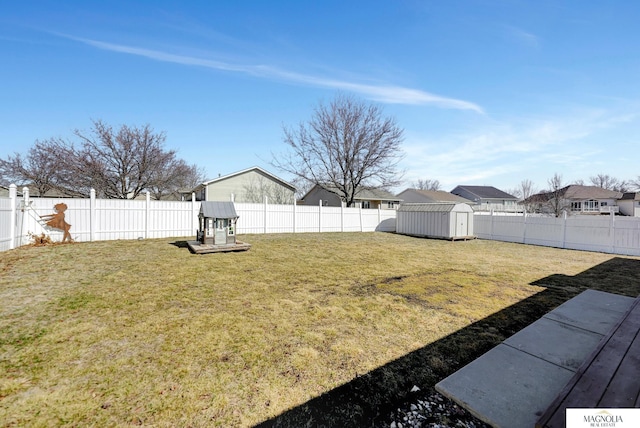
point(250, 185)
point(487, 198)
point(366, 198)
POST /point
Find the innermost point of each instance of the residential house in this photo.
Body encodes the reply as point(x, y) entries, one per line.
point(250, 185)
point(365, 198)
point(577, 199)
point(487, 198)
point(430, 196)
point(629, 204)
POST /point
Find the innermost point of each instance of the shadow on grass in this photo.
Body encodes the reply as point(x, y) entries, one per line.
point(369, 400)
point(180, 244)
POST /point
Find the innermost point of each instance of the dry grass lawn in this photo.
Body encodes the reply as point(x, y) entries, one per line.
point(300, 327)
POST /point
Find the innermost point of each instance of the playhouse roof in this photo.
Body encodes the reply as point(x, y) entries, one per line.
point(218, 209)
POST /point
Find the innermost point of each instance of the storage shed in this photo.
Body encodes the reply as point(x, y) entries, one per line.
point(217, 222)
point(436, 220)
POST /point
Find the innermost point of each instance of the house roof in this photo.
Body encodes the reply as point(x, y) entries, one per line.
point(244, 171)
point(435, 207)
point(363, 194)
point(376, 194)
point(578, 192)
point(575, 191)
point(630, 196)
point(218, 209)
point(436, 196)
point(485, 192)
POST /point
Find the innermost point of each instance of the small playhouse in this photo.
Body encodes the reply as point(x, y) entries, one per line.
point(217, 228)
point(446, 220)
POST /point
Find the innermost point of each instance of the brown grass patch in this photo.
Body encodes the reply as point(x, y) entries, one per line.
point(143, 332)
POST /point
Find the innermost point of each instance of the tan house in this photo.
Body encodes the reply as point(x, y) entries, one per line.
point(366, 198)
point(250, 185)
point(430, 196)
point(578, 199)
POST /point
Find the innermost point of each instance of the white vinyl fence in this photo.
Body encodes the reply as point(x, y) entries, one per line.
point(607, 234)
point(108, 219)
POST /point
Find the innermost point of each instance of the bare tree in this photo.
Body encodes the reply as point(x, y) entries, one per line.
point(555, 195)
point(347, 146)
point(117, 164)
point(608, 182)
point(524, 192)
point(174, 177)
point(635, 183)
point(121, 164)
point(427, 184)
point(38, 168)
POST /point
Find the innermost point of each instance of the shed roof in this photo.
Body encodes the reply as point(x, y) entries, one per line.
point(218, 209)
point(435, 207)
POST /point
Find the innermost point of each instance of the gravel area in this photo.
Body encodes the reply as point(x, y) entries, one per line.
point(432, 410)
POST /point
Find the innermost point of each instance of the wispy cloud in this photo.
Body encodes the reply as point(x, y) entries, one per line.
point(523, 36)
point(384, 93)
point(532, 149)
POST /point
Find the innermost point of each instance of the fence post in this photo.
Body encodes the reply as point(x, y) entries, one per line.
point(524, 227)
point(266, 201)
point(360, 214)
point(612, 232)
point(194, 213)
point(26, 202)
point(295, 214)
point(341, 216)
point(147, 208)
point(92, 215)
point(320, 216)
point(564, 229)
point(491, 214)
point(13, 195)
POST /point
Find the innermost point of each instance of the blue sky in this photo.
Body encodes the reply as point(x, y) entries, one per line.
point(489, 92)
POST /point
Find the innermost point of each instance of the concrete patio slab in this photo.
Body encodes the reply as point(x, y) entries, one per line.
point(512, 384)
point(564, 345)
point(592, 310)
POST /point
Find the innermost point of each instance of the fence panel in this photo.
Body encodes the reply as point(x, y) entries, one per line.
point(7, 205)
point(608, 234)
point(627, 236)
point(590, 234)
point(172, 218)
point(280, 218)
point(545, 231)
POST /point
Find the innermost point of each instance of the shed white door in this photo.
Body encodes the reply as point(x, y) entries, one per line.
point(462, 224)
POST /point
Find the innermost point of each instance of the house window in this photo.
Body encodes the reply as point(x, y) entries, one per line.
point(576, 206)
point(591, 205)
point(366, 204)
point(390, 205)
